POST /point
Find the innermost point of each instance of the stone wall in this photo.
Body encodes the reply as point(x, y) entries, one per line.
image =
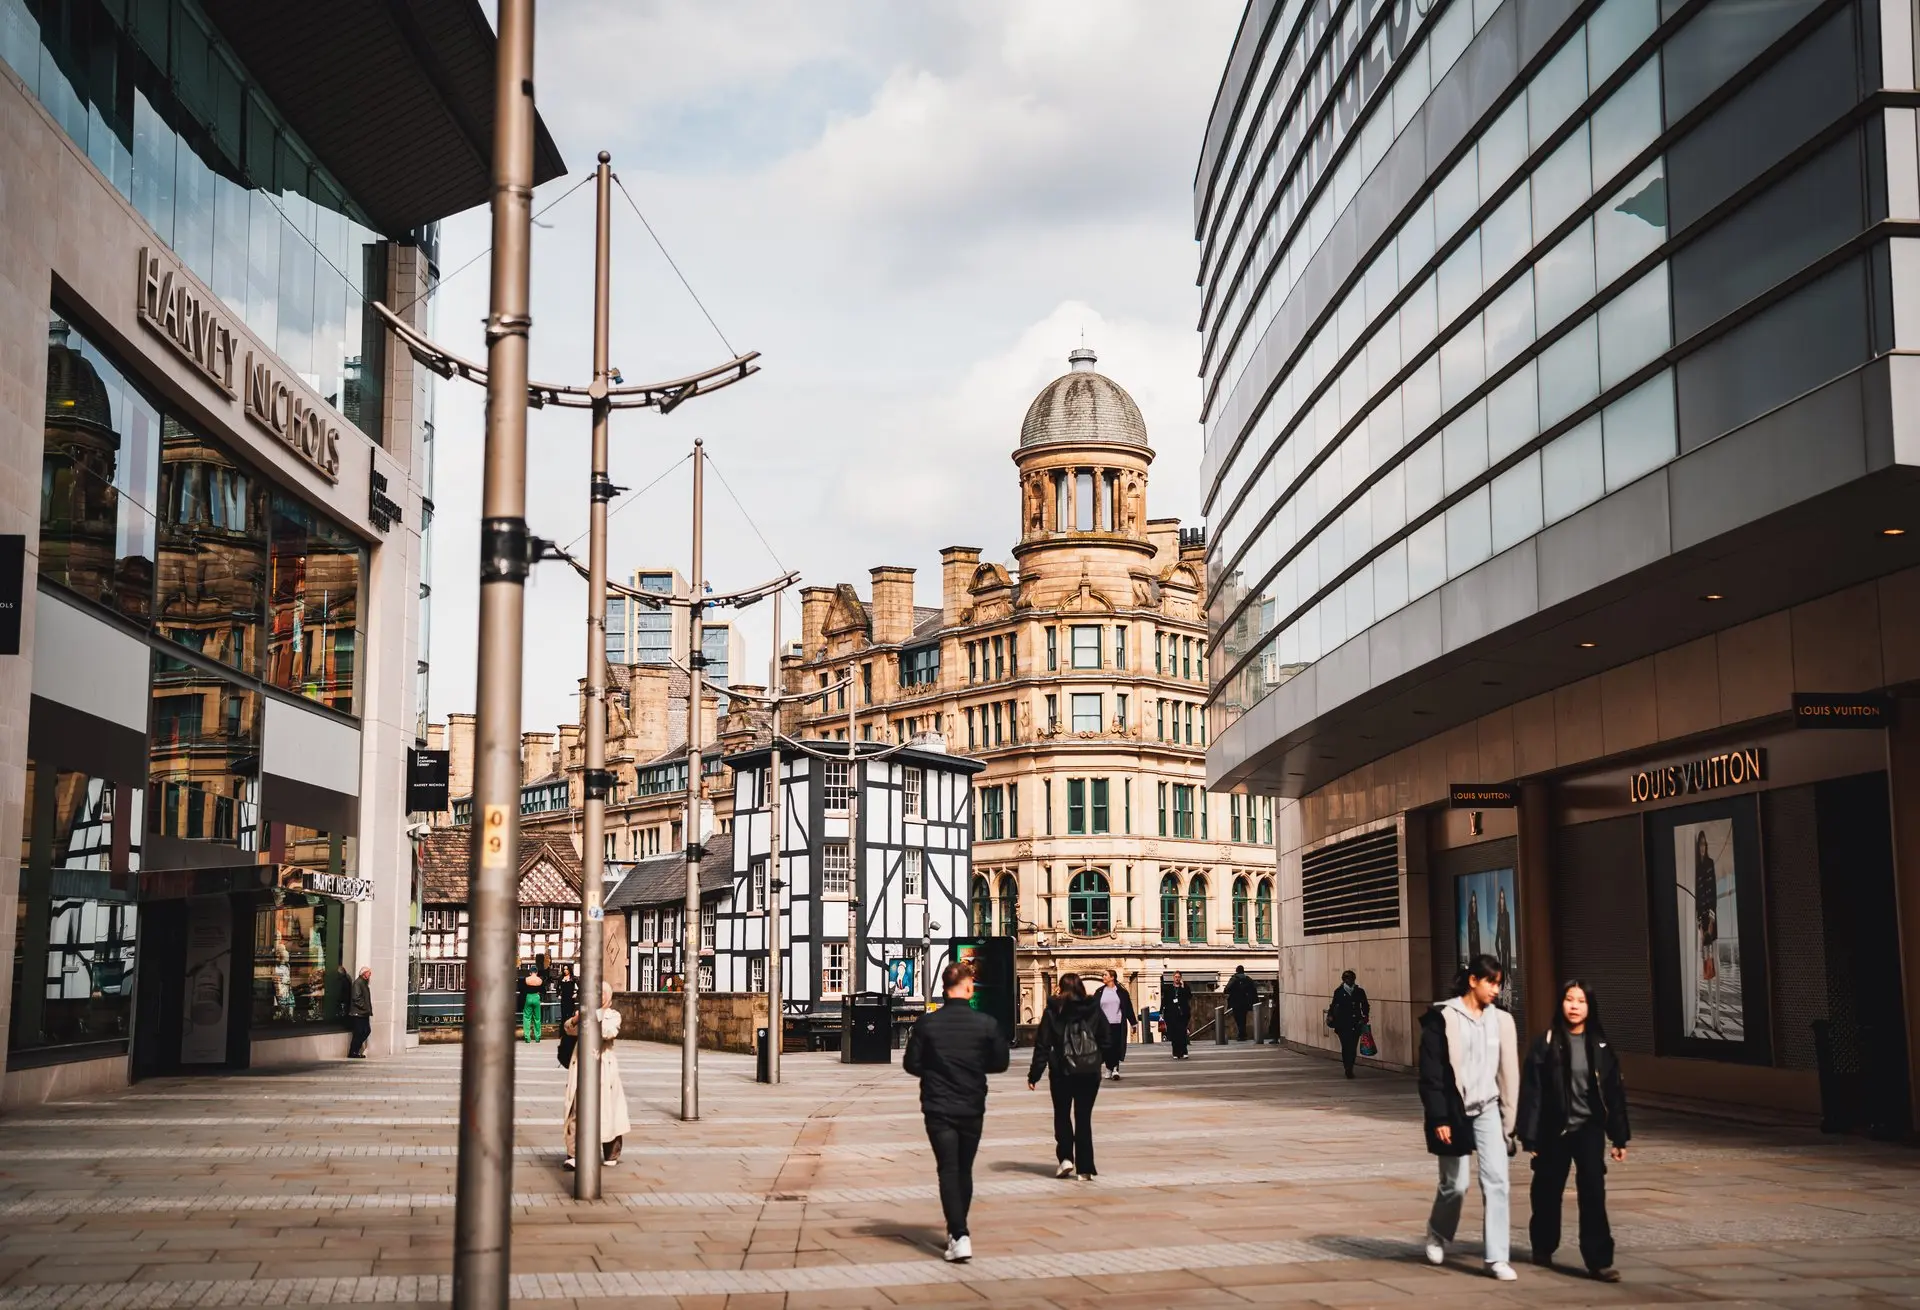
point(727, 1019)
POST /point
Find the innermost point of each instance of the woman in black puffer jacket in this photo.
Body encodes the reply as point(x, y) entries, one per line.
point(1072, 1046)
point(1573, 1103)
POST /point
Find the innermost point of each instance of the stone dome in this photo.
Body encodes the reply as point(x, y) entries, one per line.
point(1082, 406)
point(76, 396)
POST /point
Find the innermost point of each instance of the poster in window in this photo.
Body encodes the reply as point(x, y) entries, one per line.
point(901, 979)
point(1708, 923)
point(1487, 922)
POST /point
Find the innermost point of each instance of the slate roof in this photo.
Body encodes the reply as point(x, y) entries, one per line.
point(549, 870)
point(662, 880)
point(1082, 406)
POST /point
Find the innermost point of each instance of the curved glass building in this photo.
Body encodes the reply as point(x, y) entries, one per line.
point(1560, 455)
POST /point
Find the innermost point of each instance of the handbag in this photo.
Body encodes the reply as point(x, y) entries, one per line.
point(1368, 1047)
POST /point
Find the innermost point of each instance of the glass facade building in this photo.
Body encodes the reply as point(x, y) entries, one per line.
point(1547, 347)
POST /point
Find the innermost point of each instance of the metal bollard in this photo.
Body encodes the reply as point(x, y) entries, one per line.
point(1220, 1019)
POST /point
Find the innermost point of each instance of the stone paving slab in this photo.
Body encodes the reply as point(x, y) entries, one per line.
point(1245, 1176)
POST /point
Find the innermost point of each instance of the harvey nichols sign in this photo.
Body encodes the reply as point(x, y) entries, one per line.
point(201, 334)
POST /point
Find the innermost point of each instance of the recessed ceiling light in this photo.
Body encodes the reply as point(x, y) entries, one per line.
point(1588, 645)
point(1295, 773)
point(1713, 595)
point(1423, 711)
point(1893, 532)
point(1491, 682)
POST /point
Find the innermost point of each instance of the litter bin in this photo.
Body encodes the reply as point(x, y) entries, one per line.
point(762, 1057)
point(869, 1029)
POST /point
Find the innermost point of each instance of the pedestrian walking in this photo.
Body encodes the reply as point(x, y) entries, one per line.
point(568, 991)
point(1116, 1007)
point(1573, 1102)
point(1176, 1005)
point(1469, 1089)
point(1348, 1014)
point(360, 1014)
point(1241, 995)
point(614, 1123)
point(531, 984)
point(951, 1051)
point(1071, 1047)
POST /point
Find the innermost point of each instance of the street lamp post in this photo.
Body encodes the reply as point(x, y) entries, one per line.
point(690, 927)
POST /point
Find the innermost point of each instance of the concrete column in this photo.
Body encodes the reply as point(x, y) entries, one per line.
point(1903, 782)
point(1535, 878)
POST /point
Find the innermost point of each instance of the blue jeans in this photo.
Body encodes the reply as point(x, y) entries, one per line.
point(1490, 1149)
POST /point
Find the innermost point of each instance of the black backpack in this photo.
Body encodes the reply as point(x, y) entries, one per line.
point(1080, 1049)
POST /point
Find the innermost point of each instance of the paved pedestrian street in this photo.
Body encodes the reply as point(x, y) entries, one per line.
point(1245, 1175)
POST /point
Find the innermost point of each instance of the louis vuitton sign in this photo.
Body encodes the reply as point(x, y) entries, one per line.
point(198, 329)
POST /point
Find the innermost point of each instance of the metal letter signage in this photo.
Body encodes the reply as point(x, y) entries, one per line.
point(1733, 769)
point(171, 306)
point(1482, 796)
point(338, 886)
point(300, 424)
point(1813, 709)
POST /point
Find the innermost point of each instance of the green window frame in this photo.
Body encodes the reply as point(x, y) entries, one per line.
point(1089, 904)
point(1197, 909)
point(982, 906)
point(1263, 912)
point(1163, 809)
point(1182, 811)
point(1076, 807)
point(1242, 910)
point(1101, 822)
point(1009, 905)
point(1169, 908)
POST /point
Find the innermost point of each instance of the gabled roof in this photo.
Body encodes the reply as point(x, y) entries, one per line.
point(662, 880)
point(549, 870)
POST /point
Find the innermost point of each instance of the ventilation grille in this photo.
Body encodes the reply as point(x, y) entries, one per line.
point(1352, 885)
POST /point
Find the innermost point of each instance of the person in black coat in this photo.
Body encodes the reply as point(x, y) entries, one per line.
point(1573, 1103)
point(569, 989)
point(1176, 1011)
point(1348, 1014)
point(1116, 1007)
point(951, 1051)
point(1071, 1046)
point(1241, 995)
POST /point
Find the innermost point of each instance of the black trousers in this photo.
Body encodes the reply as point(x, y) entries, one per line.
point(1349, 1047)
point(1177, 1034)
point(955, 1142)
point(1073, 1096)
point(362, 1028)
point(1240, 1018)
point(1116, 1044)
point(1584, 1151)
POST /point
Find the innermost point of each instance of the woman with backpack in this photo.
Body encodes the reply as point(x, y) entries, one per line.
point(1072, 1048)
point(1573, 1103)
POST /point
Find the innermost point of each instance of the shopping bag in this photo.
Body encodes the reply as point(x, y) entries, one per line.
point(1367, 1046)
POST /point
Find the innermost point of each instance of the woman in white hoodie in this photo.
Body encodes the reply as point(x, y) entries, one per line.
point(614, 1123)
point(1470, 1091)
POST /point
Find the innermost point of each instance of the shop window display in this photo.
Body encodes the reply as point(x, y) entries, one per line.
point(297, 956)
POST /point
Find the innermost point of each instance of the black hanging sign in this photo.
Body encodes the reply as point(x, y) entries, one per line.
point(13, 590)
point(427, 781)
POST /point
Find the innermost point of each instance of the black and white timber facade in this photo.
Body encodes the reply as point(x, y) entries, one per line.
point(913, 854)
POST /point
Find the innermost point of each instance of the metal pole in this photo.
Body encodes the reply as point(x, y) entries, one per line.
point(483, 1210)
point(690, 929)
point(776, 885)
point(586, 1071)
point(855, 902)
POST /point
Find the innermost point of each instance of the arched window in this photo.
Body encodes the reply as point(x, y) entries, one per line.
point(1089, 907)
point(1241, 908)
point(1009, 906)
point(1197, 909)
point(1169, 909)
point(1263, 911)
point(982, 907)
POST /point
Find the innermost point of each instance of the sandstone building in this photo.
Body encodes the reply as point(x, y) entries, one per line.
point(1076, 675)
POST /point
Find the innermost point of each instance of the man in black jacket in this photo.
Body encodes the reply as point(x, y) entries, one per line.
point(1176, 1011)
point(951, 1052)
point(1348, 1014)
point(1241, 994)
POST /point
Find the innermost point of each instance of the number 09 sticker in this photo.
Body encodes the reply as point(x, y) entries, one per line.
point(493, 838)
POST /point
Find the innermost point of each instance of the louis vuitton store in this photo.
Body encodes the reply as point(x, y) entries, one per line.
point(221, 666)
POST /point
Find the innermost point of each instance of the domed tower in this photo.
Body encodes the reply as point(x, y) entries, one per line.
point(1083, 460)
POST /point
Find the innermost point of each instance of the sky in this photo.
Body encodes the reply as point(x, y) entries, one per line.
point(912, 208)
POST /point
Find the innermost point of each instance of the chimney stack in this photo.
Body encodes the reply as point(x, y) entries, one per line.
point(536, 756)
point(459, 756)
point(957, 564)
point(892, 604)
point(814, 604)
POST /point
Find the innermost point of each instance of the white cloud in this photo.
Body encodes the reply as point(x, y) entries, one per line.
point(913, 211)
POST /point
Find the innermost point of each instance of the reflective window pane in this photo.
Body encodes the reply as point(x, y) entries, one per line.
point(1509, 322)
point(213, 550)
point(1464, 448)
point(1562, 182)
point(1469, 536)
point(203, 770)
point(97, 477)
point(1616, 30)
point(1503, 148)
point(1719, 41)
point(1627, 123)
point(1420, 398)
point(1457, 196)
point(1569, 373)
point(1507, 234)
point(314, 640)
point(1517, 509)
point(1513, 412)
point(1638, 431)
point(1424, 485)
point(1572, 475)
point(1427, 558)
point(1632, 223)
point(1459, 279)
point(1463, 363)
point(1390, 579)
point(1634, 327)
point(1563, 277)
point(1557, 90)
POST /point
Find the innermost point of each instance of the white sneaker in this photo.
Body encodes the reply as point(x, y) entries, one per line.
point(569, 1164)
point(1503, 1271)
point(959, 1249)
point(1064, 1170)
point(1436, 1250)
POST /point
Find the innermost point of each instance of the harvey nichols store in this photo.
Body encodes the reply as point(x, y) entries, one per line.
point(218, 479)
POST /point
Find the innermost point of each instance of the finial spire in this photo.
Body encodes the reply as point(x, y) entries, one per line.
point(1083, 359)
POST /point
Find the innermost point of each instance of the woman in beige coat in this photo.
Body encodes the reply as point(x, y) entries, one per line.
point(614, 1123)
